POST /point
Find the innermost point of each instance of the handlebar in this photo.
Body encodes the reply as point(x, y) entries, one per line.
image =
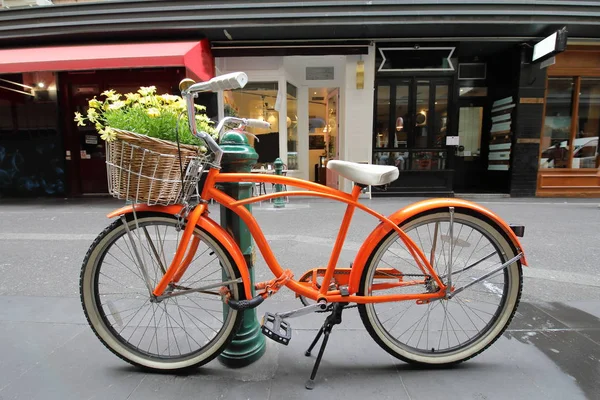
point(235, 80)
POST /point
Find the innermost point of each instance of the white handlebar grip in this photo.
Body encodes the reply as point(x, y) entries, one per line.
point(257, 123)
point(235, 80)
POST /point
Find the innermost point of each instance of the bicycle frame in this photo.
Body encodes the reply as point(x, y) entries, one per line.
point(198, 217)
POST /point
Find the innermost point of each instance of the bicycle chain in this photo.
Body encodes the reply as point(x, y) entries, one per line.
point(330, 307)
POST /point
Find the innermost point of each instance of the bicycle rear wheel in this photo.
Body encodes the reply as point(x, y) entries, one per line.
point(176, 333)
point(443, 331)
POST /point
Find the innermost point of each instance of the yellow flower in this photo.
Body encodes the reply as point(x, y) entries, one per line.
point(179, 105)
point(79, 119)
point(93, 103)
point(92, 115)
point(108, 134)
point(108, 93)
point(111, 95)
point(199, 107)
point(132, 97)
point(168, 98)
point(153, 112)
point(203, 118)
point(117, 105)
point(147, 90)
point(99, 126)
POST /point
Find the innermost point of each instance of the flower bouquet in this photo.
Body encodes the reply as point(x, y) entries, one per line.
point(149, 143)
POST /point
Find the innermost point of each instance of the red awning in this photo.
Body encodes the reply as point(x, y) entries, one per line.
point(195, 56)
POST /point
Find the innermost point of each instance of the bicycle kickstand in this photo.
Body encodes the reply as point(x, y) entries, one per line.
point(332, 319)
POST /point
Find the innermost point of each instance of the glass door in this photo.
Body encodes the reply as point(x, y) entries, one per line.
point(411, 120)
point(332, 141)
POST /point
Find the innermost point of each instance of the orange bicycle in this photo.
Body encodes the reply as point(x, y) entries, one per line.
point(163, 286)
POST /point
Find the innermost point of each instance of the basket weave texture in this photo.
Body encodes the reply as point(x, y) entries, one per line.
point(144, 169)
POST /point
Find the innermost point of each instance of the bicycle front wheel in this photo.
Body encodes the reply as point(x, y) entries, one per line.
point(176, 333)
point(443, 331)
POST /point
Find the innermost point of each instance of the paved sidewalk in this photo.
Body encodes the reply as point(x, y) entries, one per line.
point(551, 350)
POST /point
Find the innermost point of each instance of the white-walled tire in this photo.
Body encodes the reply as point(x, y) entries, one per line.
point(450, 331)
point(177, 333)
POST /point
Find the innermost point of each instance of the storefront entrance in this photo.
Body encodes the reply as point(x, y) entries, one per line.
point(85, 151)
point(411, 125)
point(469, 161)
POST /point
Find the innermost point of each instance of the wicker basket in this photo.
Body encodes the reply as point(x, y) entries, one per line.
point(143, 169)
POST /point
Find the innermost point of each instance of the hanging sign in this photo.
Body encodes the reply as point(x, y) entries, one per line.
point(553, 44)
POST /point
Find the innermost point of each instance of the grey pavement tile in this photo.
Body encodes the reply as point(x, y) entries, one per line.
point(590, 307)
point(42, 268)
point(353, 366)
point(530, 317)
point(195, 387)
point(25, 345)
point(66, 310)
point(507, 370)
point(572, 354)
point(80, 369)
point(570, 316)
point(594, 336)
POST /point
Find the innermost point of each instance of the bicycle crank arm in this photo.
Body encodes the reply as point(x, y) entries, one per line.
point(500, 268)
point(322, 306)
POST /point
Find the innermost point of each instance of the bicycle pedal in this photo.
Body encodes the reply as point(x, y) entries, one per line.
point(275, 328)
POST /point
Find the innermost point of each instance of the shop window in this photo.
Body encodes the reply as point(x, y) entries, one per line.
point(556, 136)
point(292, 126)
point(422, 108)
point(382, 119)
point(257, 100)
point(402, 116)
point(440, 123)
point(588, 124)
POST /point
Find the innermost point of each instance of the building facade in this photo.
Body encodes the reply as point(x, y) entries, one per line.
point(446, 92)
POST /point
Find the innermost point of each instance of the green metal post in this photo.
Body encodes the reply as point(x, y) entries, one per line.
point(278, 202)
point(249, 344)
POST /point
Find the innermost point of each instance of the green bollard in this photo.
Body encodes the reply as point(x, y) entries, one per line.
point(278, 202)
point(248, 345)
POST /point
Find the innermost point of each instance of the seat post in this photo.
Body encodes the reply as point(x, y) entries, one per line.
point(356, 189)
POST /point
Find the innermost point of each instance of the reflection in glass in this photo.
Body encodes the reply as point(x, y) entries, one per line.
point(440, 124)
point(469, 129)
point(557, 123)
point(429, 160)
point(470, 91)
point(422, 109)
point(588, 124)
point(401, 123)
point(257, 100)
point(292, 127)
point(383, 116)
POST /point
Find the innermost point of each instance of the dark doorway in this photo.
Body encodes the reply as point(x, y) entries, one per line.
point(86, 152)
point(469, 158)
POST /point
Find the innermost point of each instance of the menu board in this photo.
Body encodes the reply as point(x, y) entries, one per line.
point(501, 134)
